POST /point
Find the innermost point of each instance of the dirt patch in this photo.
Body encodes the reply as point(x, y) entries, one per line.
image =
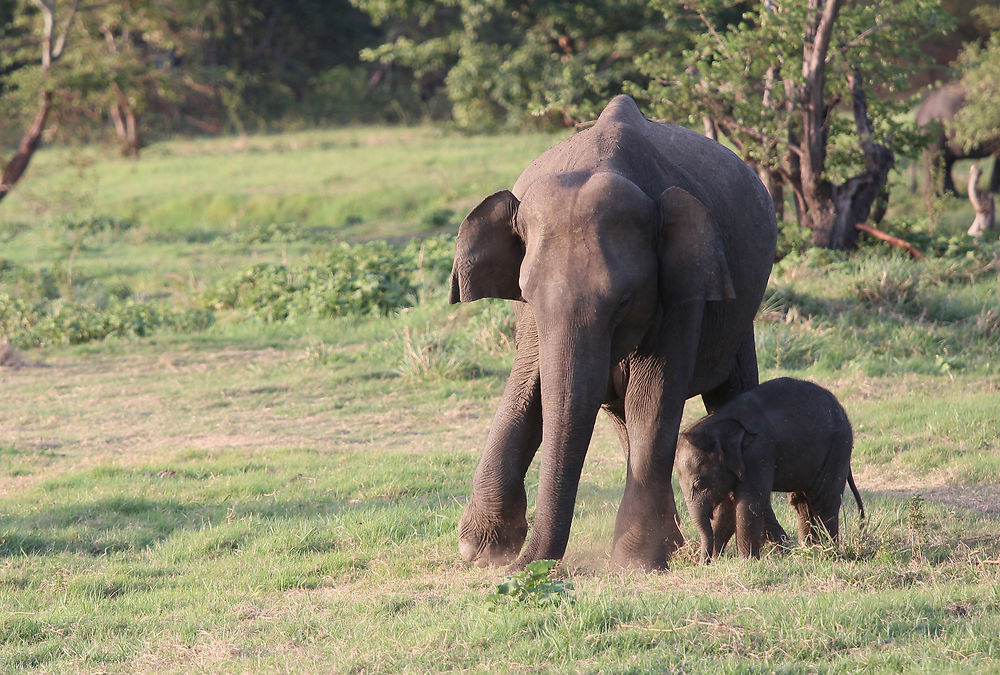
point(983, 499)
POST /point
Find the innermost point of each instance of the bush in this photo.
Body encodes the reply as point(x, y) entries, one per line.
point(373, 278)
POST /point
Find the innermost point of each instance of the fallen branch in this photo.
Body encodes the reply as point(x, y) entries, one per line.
point(895, 241)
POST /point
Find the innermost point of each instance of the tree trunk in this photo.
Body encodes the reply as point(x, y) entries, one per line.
point(18, 164)
point(982, 202)
point(834, 210)
point(775, 188)
point(126, 124)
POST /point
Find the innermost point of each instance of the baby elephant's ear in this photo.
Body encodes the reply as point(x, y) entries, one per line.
point(733, 438)
point(488, 252)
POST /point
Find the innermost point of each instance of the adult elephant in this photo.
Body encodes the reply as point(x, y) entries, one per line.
point(637, 253)
point(941, 106)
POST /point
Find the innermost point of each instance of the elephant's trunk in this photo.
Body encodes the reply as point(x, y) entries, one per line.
point(574, 379)
point(706, 532)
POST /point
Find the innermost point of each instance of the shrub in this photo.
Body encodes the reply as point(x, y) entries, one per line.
point(373, 278)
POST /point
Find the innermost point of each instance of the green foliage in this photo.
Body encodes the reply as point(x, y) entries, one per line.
point(535, 586)
point(353, 279)
point(507, 63)
point(978, 122)
point(881, 312)
point(64, 323)
point(748, 76)
point(792, 238)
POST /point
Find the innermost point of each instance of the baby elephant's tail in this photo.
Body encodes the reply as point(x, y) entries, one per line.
point(857, 496)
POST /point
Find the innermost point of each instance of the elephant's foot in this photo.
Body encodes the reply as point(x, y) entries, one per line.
point(648, 553)
point(489, 539)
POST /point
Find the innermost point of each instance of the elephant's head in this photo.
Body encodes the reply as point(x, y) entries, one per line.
point(597, 261)
point(709, 462)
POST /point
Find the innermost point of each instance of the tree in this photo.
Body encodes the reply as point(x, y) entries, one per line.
point(776, 83)
point(520, 63)
point(53, 34)
point(978, 122)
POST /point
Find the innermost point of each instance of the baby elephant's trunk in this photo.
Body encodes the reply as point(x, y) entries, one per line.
point(707, 536)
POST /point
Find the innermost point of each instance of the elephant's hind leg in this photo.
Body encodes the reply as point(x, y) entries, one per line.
point(804, 519)
point(742, 377)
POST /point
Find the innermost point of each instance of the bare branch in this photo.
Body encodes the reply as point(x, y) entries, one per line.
point(48, 24)
point(733, 124)
point(895, 241)
point(57, 50)
point(864, 35)
point(821, 41)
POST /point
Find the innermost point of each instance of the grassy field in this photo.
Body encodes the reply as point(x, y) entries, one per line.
point(280, 493)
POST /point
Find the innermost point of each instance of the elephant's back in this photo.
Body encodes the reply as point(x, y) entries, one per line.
point(656, 156)
point(942, 104)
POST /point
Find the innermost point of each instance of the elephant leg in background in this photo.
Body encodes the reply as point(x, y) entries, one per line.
point(493, 525)
point(723, 524)
point(995, 175)
point(741, 378)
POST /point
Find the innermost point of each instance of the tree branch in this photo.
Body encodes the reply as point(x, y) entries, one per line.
point(731, 123)
point(864, 35)
point(60, 45)
point(821, 42)
point(708, 26)
point(895, 241)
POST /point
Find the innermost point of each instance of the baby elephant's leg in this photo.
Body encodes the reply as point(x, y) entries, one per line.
point(826, 514)
point(800, 503)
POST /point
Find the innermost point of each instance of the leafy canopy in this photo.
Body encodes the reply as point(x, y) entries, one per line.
point(749, 76)
point(979, 120)
point(520, 63)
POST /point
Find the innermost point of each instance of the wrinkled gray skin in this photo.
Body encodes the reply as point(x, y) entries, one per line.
point(942, 105)
point(786, 435)
point(637, 254)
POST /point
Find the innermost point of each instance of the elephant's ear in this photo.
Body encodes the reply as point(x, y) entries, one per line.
point(488, 252)
point(693, 263)
point(733, 440)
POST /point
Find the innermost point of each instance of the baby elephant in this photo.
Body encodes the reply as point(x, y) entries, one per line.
point(786, 435)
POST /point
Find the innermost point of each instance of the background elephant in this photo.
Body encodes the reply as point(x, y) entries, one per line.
point(941, 106)
point(637, 253)
point(786, 435)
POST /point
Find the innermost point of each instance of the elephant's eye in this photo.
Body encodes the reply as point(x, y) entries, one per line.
point(700, 485)
point(623, 306)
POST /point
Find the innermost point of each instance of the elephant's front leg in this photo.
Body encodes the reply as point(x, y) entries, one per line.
point(493, 525)
point(753, 503)
point(647, 530)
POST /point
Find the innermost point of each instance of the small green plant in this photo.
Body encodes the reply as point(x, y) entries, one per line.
point(535, 586)
point(917, 521)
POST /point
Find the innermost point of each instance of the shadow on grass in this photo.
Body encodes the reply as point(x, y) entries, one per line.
point(120, 524)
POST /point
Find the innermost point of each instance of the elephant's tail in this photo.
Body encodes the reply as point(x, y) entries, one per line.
point(857, 495)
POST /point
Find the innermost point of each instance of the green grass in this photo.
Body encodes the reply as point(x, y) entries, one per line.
point(283, 495)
